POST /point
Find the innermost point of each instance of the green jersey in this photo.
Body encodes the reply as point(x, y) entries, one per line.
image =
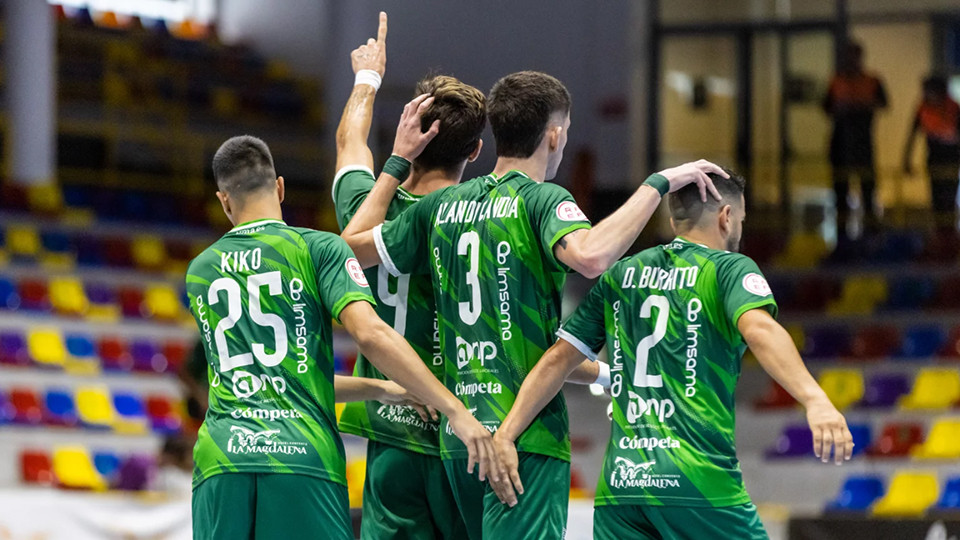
point(488, 245)
point(404, 302)
point(263, 296)
point(668, 317)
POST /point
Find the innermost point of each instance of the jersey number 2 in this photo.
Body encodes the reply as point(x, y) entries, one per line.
point(235, 311)
point(641, 379)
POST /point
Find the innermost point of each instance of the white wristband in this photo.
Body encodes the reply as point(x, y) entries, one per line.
point(368, 76)
point(603, 378)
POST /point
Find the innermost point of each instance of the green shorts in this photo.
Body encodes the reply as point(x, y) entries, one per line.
point(541, 512)
point(677, 522)
point(406, 495)
point(265, 506)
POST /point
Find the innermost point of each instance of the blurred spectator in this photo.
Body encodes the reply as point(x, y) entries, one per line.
point(193, 376)
point(938, 117)
point(851, 100)
point(175, 466)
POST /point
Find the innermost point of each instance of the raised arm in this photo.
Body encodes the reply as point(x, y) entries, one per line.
point(394, 357)
point(369, 65)
point(591, 251)
point(778, 356)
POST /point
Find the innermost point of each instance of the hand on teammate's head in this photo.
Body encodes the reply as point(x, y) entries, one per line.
point(410, 139)
point(695, 172)
point(373, 54)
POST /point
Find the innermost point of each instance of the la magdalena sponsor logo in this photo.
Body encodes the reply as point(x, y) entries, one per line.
point(405, 415)
point(627, 474)
point(246, 441)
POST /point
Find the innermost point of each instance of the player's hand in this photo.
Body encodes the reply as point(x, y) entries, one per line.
point(695, 172)
point(372, 55)
point(479, 444)
point(411, 140)
point(509, 485)
point(394, 394)
point(829, 429)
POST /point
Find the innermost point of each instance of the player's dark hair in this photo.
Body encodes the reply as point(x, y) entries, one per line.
point(461, 110)
point(242, 165)
point(519, 107)
point(687, 206)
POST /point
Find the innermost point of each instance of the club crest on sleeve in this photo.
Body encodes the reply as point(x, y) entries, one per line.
point(569, 211)
point(356, 272)
point(756, 284)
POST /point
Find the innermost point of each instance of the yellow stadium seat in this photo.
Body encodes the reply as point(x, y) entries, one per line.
point(95, 406)
point(67, 296)
point(356, 473)
point(161, 302)
point(23, 241)
point(934, 388)
point(943, 442)
point(804, 250)
point(46, 347)
point(74, 468)
point(910, 494)
point(148, 252)
point(45, 198)
point(860, 295)
point(844, 387)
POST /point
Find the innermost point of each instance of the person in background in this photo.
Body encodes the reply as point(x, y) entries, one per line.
point(852, 99)
point(938, 117)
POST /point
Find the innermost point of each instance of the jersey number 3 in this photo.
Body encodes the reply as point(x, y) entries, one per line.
point(235, 311)
point(469, 245)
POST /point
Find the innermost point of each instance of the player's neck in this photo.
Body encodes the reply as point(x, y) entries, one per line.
point(534, 166)
point(711, 239)
point(257, 210)
point(429, 181)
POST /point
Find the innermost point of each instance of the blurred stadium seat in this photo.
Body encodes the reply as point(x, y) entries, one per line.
point(794, 441)
point(47, 347)
point(897, 440)
point(950, 498)
point(94, 406)
point(934, 388)
point(36, 467)
point(943, 441)
point(910, 494)
point(885, 390)
point(73, 468)
point(13, 349)
point(131, 415)
point(921, 341)
point(844, 387)
point(857, 494)
point(60, 409)
point(67, 296)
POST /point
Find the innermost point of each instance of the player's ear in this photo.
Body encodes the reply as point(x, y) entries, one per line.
point(476, 151)
point(553, 137)
point(726, 213)
point(281, 189)
point(225, 203)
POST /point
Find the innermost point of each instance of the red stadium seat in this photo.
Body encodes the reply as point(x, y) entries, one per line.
point(775, 398)
point(163, 413)
point(131, 302)
point(35, 467)
point(114, 354)
point(34, 295)
point(897, 440)
point(875, 342)
point(117, 252)
point(176, 353)
point(951, 348)
point(26, 406)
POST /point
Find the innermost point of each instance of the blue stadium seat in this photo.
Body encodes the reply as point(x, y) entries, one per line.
point(9, 298)
point(910, 293)
point(900, 246)
point(6, 409)
point(107, 463)
point(921, 341)
point(826, 342)
point(885, 389)
point(89, 251)
point(857, 494)
point(59, 408)
point(80, 346)
point(950, 498)
point(13, 349)
point(861, 437)
point(56, 242)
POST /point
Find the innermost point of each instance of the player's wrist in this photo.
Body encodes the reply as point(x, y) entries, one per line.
point(603, 374)
point(658, 182)
point(368, 77)
point(398, 167)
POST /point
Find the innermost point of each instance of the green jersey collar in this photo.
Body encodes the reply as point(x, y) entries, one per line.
point(685, 241)
point(256, 223)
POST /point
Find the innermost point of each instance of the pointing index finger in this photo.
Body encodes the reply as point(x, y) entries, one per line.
point(382, 29)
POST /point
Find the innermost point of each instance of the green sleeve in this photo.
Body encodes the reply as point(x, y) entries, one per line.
point(351, 186)
point(585, 329)
point(554, 214)
point(340, 278)
point(403, 242)
point(743, 287)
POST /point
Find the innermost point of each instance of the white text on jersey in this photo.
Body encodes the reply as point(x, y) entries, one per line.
point(473, 211)
point(660, 278)
point(240, 261)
